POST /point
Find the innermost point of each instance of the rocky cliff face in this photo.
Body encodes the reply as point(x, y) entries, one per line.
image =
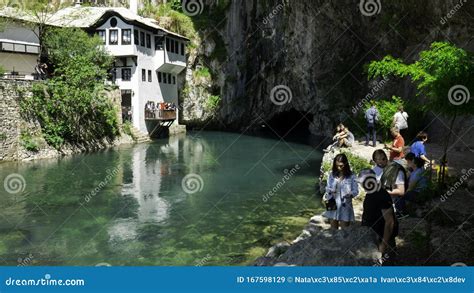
point(309, 56)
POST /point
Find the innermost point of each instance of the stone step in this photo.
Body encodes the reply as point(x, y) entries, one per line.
point(139, 136)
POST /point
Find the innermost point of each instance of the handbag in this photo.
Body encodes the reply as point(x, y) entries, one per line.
point(330, 204)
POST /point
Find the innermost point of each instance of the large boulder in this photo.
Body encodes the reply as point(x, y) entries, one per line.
point(353, 246)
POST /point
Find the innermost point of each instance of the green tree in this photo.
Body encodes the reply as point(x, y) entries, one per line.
point(73, 105)
point(443, 75)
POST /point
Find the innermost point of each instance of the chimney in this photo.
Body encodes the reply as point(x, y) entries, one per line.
point(134, 6)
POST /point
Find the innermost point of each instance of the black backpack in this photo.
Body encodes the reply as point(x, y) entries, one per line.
point(390, 173)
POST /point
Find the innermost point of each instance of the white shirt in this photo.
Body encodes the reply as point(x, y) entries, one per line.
point(401, 120)
point(378, 172)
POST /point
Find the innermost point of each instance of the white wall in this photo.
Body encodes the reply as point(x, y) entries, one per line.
point(22, 63)
point(148, 59)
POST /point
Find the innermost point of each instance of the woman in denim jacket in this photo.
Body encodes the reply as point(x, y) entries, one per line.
point(342, 186)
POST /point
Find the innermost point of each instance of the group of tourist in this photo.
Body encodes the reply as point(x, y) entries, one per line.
point(151, 107)
point(394, 180)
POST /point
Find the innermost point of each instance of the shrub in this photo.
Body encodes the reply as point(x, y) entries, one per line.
point(212, 102)
point(127, 129)
point(28, 141)
point(73, 105)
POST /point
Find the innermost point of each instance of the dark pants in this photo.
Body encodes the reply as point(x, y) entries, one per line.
point(404, 133)
point(371, 133)
point(400, 201)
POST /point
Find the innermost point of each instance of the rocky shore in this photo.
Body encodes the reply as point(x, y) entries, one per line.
point(439, 231)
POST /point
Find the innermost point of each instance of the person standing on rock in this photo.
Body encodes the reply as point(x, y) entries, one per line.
point(379, 215)
point(400, 121)
point(418, 147)
point(396, 148)
point(342, 187)
point(372, 117)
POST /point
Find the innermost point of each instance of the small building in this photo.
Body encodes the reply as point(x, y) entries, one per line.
point(148, 58)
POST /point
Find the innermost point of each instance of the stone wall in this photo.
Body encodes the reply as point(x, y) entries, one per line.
point(10, 119)
point(12, 124)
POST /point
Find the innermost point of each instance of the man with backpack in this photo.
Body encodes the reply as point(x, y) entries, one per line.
point(372, 117)
point(379, 215)
point(393, 178)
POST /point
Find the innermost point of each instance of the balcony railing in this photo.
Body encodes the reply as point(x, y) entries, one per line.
point(160, 114)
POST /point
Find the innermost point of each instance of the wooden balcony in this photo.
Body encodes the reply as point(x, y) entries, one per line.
point(160, 115)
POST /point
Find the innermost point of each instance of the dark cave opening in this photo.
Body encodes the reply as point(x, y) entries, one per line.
point(290, 125)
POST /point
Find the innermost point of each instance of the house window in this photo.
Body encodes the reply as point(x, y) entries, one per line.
point(126, 74)
point(136, 39)
point(126, 37)
point(174, 79)
point(149, 75)
point(182, 49)
point(167, 44)
point(142, 39)
point(159, 76)
point(169, 78)
point(113, 37)
point(101, 34)
point(143, 75)
point(172, 45)
point(158, 43)
point(113, 22)
point(148, 41)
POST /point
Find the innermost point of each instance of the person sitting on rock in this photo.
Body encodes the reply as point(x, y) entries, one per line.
point(378, 214)
point(342, 186)
point(339, 132)
point(346, 139)
point(417, 182)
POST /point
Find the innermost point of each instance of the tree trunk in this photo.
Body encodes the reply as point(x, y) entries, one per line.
point(444, 160)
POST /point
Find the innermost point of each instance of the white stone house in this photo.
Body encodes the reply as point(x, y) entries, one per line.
point(148, 58)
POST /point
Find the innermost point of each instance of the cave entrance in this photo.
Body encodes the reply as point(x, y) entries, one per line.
point(291, 125)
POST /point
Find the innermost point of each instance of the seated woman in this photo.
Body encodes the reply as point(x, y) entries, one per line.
point(346, 138)
point(417, 182)
point(339, 132)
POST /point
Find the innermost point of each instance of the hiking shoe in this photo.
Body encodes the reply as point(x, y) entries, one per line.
point(401, 215)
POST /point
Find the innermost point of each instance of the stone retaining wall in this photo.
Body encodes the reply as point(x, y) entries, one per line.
point(12, 124)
